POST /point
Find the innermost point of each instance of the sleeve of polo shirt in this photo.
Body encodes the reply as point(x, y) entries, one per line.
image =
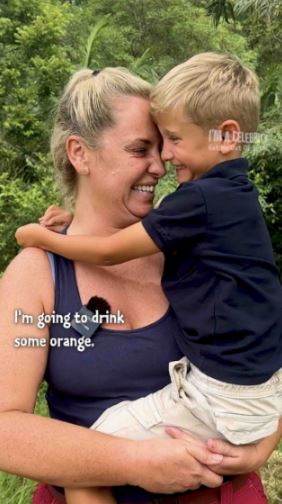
point(181, 217)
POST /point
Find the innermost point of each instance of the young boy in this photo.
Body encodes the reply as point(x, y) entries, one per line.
point(219, 275)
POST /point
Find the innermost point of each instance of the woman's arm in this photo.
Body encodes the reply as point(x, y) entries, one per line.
point(56, 452)
point(120, 247)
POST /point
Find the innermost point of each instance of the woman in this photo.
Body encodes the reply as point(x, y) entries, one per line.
point(106, 151)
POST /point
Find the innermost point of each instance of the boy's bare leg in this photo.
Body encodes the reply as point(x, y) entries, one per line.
point(99, 495)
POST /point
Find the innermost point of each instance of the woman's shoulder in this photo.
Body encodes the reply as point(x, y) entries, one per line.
point(28, 261)
point(30, 271)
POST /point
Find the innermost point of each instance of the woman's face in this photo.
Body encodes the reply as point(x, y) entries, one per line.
point(126, 168)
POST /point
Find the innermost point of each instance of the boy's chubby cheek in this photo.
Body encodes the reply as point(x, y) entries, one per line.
point(183, 174)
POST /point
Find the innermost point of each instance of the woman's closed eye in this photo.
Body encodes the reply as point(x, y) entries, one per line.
point(139, 152)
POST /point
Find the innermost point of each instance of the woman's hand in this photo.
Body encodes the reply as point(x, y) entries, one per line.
point(172, 465)
point(56, 218)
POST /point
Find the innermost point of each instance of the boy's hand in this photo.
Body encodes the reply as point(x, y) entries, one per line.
point(246, 458)
point(56, 218)
point(31, 235)
point(235, 459)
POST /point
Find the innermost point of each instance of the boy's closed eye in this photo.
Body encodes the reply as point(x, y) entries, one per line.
point(171, 136)
point(174, 138)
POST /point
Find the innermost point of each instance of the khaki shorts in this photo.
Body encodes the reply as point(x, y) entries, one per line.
point(200, 405)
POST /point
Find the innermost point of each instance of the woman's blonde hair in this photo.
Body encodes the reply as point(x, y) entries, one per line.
point(210, 88)
point(85, 109)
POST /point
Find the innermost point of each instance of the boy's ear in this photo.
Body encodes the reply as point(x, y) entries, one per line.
point(231, 134)
point(78, 154)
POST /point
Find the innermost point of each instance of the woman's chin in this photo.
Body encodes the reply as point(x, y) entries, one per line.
point(141, 204)
point(138, 212)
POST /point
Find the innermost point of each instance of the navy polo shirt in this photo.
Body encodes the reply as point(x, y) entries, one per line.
point(220, 276)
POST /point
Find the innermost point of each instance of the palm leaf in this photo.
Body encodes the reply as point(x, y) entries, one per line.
point(142, 60)
point(99, 26)
point(262, 8)
point(218, 9)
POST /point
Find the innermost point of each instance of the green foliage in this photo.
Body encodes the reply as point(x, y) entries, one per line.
point(221, 9)
point(271, 476)
point(93, 38)
point(264, 9)
point(165, 31)
point(266, 161)
point(15, 490)
point(227, 10)
point(21, 202)
point(166, 185)
point(34, 63)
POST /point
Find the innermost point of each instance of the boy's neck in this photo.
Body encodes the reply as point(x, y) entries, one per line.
point(236, 154)
point(223, 159)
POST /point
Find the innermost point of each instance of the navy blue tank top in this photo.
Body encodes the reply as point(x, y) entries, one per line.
point(123, 364)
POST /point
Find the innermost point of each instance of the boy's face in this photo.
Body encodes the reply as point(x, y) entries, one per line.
point(186, 146)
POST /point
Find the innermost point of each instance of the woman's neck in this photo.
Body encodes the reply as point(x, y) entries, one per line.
point(93, 221)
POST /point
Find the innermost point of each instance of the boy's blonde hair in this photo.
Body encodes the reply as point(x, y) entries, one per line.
point(211, 88)
point(86, 109)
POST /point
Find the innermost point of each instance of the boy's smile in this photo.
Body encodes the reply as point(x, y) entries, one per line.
point(187, 146)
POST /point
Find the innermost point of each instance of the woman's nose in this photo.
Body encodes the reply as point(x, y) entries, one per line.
point(166, 153)
point(157, 166)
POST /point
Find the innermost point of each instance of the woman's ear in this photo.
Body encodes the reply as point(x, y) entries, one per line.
point(231, 136)
point(78, 154)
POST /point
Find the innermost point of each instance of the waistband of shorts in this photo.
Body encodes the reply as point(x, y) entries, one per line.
point(207, 383)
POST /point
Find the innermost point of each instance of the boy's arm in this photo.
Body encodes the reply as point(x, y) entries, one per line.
point(123, 246)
